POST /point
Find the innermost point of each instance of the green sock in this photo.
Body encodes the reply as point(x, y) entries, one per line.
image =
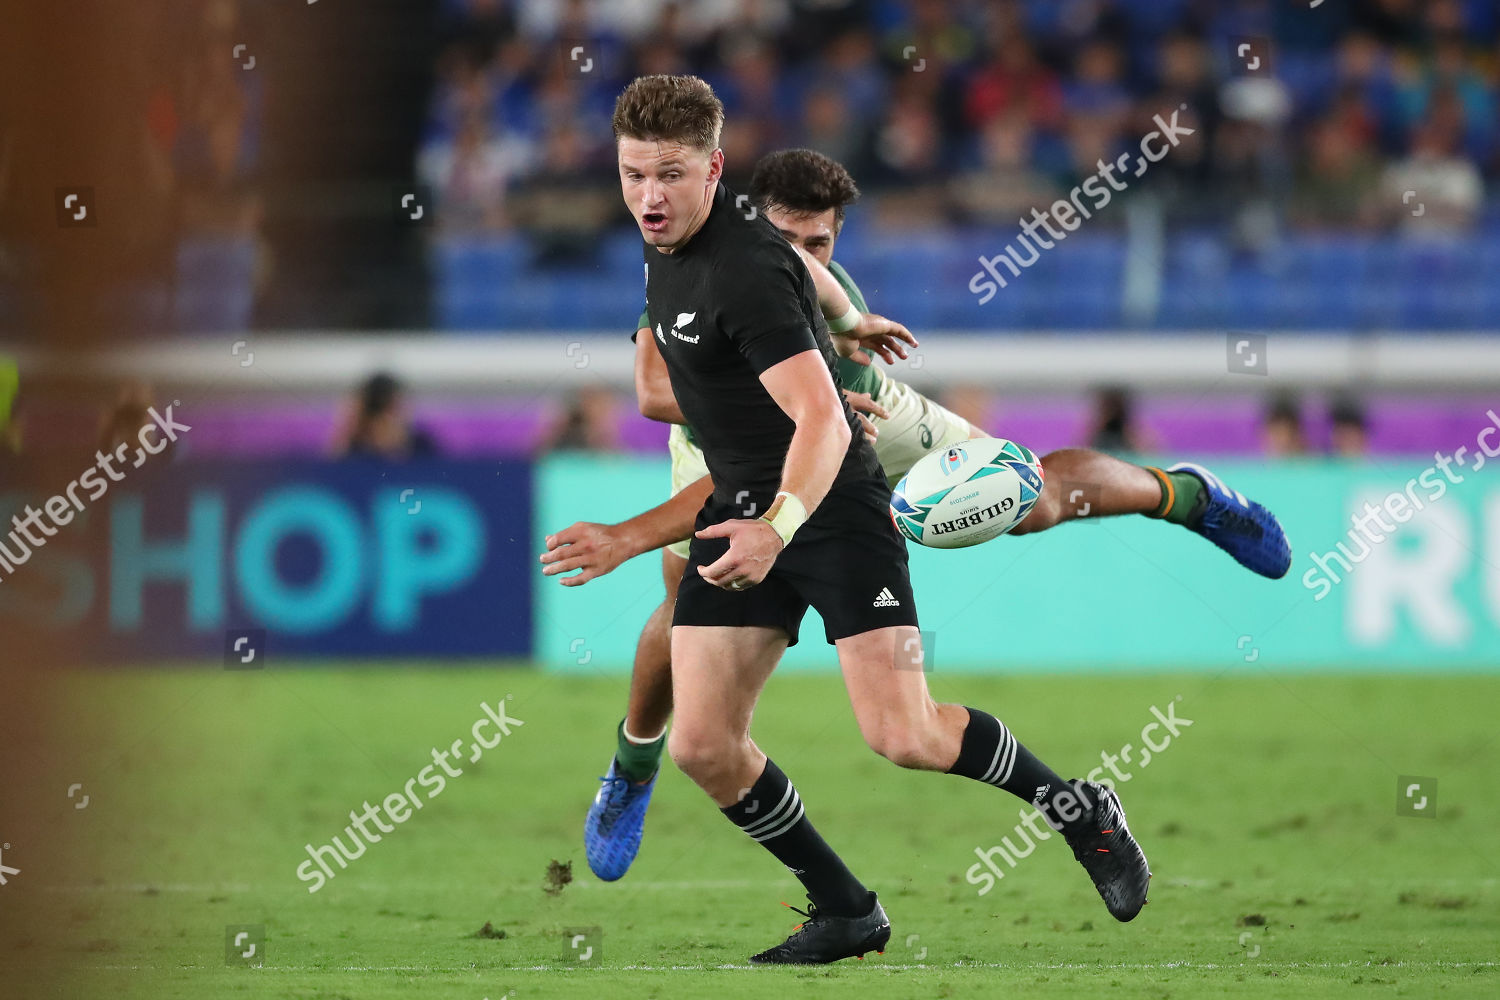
point(638, 761)
point(1182, 497)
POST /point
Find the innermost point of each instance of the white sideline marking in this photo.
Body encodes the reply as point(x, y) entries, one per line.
point(1050, 966)
point(144, 887)
point(592, 885)
point(1008, 966)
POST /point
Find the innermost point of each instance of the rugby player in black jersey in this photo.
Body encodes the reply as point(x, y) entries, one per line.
point(754, 372)
point(804, 194)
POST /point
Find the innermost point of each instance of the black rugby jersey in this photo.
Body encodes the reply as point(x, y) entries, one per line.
point(727, 305)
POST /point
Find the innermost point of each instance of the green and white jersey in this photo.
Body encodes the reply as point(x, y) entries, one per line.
point(856, 377)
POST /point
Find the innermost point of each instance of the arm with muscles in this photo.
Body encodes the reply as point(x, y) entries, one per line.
point(653, 387)
point(803, 389)
point(852, 330)
point(597, 549)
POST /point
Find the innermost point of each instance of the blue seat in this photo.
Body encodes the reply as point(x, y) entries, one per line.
point(477, 281)
point(921, 277)
point(215, 288)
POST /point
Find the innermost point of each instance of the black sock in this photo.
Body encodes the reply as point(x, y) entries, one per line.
point(990, 754)
point(771, 813)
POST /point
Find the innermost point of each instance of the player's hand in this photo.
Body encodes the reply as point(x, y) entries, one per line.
point(861, 404)
point(596, 549)
point(753, 548)
point(877, 335)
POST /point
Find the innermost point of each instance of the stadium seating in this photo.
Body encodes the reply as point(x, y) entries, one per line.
point(1306, 282)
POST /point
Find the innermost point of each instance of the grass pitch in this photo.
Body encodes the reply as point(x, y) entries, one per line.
point(1281, 865)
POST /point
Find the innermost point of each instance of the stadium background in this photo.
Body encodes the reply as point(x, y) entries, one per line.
point(501, 293)
point(287, 201)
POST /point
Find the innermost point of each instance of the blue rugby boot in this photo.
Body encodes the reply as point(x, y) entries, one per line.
point(616, 820)
point(1243, 528)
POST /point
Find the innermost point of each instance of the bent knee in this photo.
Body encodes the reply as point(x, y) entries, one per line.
point(698, 757)
point(1046, 512)
point(687, 753)
point(905, 745)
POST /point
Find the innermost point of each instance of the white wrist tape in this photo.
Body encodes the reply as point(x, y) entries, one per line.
point(846, 322)
point(785, 516)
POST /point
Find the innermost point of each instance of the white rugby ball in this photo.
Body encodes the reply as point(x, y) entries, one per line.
point(967, 493)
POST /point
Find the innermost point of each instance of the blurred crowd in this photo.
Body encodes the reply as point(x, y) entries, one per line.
point(969, 111)
point(204, 119)
point(378, 423)
point(1357, 117)
point(590, 420)
point(1115, 427)
point(973, 112)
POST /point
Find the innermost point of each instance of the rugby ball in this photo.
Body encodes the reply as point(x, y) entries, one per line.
point(967, 493)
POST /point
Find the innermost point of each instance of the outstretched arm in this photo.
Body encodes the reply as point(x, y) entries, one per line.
point(832, 299)
point(597, 549)
point(852, 330)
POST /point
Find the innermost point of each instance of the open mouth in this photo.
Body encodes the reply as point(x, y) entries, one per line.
point(654, 221)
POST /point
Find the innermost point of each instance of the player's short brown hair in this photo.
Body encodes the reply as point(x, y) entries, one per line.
point(803, 180)
point(671, 108)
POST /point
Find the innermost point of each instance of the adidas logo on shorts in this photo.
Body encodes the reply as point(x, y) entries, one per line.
point(885, 599)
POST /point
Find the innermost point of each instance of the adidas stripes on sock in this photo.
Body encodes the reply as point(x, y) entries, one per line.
point(990, 754)
point(772, 814)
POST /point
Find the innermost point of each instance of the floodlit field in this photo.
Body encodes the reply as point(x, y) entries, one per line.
point(1281, 865)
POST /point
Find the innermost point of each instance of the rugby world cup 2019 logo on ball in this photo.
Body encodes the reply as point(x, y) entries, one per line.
point(955, 497)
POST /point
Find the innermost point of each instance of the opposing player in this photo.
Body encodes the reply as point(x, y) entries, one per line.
point(805, 194)
point(753, 370)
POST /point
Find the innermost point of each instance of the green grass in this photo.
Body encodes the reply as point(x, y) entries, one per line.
point(1281, 867)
